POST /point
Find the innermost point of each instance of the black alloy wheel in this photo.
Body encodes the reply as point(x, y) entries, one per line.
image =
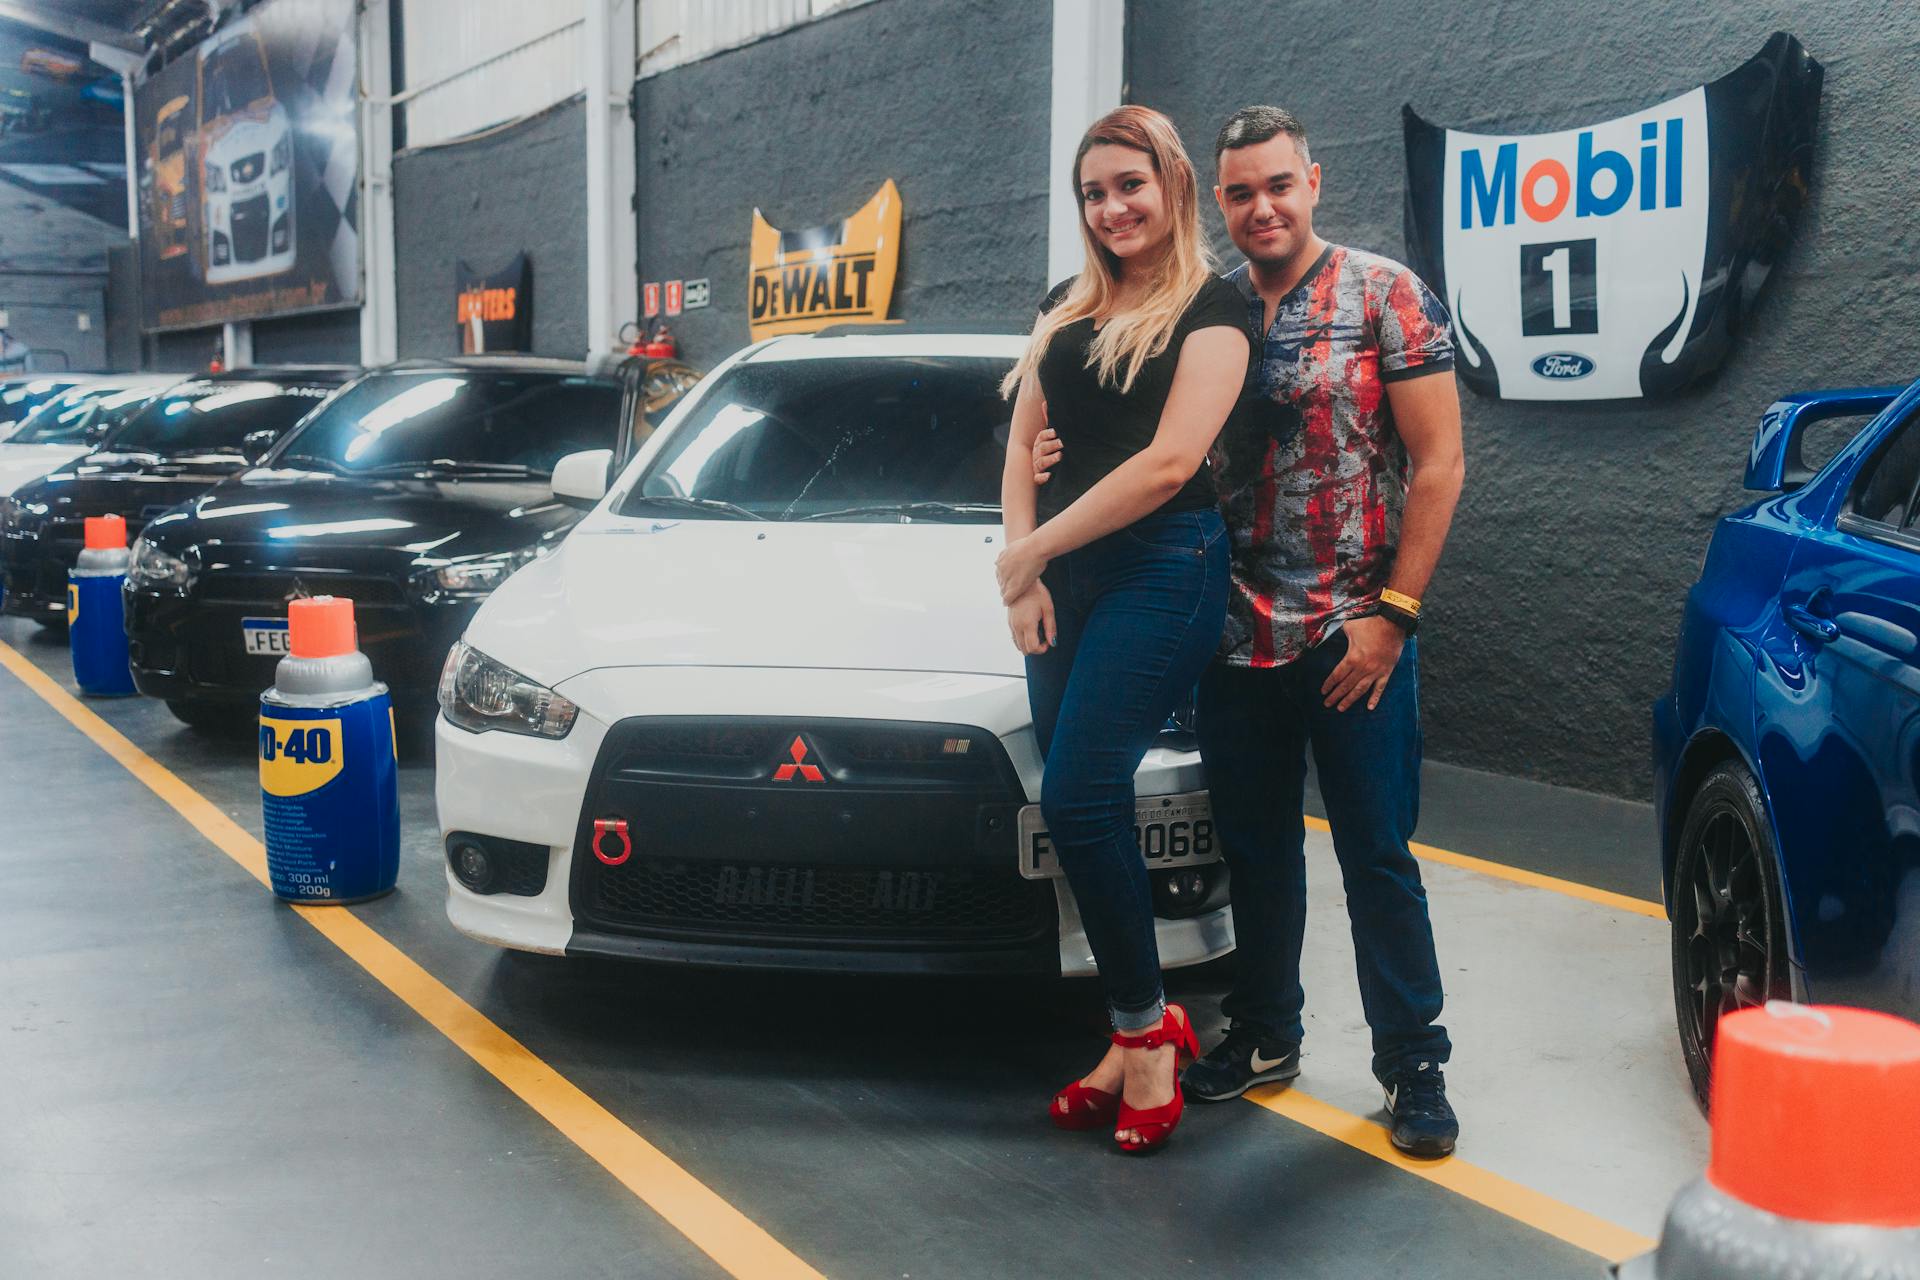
point(1729, 926)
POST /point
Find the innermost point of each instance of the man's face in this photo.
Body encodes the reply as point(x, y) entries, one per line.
point(1267, 196)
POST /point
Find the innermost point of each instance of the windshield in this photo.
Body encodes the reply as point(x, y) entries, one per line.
point(21, 399)
point(214, 417)
point(801, 439)
point(521, 421)
point(236, 77)
point(61, 420)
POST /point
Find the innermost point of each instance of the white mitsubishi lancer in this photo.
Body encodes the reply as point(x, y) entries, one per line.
point(760, 708)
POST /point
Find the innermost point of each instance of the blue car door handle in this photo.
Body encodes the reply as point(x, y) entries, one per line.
point(1808, 623)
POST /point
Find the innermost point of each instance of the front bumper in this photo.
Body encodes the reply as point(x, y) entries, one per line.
point(744, 898)
point(35, 571)
point(188, 647)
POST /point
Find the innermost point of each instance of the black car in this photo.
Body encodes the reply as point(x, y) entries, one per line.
point(414, 493)
point(181, 444)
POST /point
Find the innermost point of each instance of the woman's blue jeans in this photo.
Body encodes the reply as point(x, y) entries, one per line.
point(1139, 614)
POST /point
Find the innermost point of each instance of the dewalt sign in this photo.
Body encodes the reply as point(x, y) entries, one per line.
point(841, 273)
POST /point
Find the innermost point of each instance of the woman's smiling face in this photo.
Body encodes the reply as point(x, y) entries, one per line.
point(1122, 200)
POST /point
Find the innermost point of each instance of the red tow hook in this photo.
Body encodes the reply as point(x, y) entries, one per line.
point(604, 827)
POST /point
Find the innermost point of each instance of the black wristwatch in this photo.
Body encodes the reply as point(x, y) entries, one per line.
point(1407, 622)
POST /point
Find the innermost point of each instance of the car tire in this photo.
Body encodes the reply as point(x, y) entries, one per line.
point(56, 625)
point(1729, 919)
point(210, 718)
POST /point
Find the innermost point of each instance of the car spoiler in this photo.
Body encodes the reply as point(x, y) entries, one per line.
point(1774, 463)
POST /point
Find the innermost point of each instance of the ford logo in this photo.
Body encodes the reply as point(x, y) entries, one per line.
point(1563, 366)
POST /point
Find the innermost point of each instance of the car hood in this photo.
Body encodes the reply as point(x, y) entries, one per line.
point(713, 593)
point(20, 463)
point(294, 518)
point(137, 486)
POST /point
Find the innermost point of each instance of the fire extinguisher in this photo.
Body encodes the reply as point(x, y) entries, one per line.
point(655, 343)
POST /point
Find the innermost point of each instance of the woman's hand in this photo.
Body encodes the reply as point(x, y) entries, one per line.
point(1046, 453)
point(1030, 618)
point(1018, 569)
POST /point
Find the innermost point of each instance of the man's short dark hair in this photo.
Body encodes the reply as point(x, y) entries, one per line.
point(1251, 126)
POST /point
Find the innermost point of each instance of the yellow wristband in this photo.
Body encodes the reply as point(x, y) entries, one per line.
point(1400, 600)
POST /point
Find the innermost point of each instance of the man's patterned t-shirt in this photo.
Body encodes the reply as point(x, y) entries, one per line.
point(1312, 473)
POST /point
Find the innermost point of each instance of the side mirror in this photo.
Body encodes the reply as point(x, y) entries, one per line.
point(1774, 463)
point(580, 479)
point(254, 445)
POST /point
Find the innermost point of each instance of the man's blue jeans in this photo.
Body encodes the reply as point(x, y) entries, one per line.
point(1255, 726)
point(1139, 614)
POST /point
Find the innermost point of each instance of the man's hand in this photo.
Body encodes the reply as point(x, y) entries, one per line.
point(1018, 569)
point(1373, 647)
point(1030, 618)
point(1046, 454)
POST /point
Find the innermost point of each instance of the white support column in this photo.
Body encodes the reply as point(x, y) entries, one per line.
point(236, 344)
point(379, 302)
point(612, 288)
point(1089, 69)
point(123, 62)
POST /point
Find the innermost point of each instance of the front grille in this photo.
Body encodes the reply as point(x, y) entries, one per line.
point(263, 589)
point(250, 229)
point(878, 904)
point(389, 632)
point(861, 832)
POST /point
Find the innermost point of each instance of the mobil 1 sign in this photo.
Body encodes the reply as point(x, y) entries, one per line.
point(1614, 260)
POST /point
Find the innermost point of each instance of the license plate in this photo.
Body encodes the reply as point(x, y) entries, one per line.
point(1170, 831)
point(266, 635)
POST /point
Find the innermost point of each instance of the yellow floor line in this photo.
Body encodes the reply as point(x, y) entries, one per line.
point(1577, 1227)
point(1533, 879)
point(722, 1232)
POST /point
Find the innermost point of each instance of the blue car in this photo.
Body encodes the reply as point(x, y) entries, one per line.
point(1786, 755)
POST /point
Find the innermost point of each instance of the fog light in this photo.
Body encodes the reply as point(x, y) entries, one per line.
point(1182, 891)
point(472, 867)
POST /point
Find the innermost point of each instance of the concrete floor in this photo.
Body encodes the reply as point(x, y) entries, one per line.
point(193, 1081)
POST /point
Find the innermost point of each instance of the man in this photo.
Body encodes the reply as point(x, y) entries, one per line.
point(1338, 479)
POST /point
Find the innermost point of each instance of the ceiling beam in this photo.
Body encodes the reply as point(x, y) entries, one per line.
point(74, 27)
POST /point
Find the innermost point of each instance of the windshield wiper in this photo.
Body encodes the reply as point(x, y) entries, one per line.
point(910, 510)
point(318, 463)
point(674, 502)
point(444, 466)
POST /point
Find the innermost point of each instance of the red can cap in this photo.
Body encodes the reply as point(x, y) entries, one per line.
point(106, 533)
point(1814, 1113)
point(321, 627)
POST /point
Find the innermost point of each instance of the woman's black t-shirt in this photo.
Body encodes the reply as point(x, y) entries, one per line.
point(1100, 427)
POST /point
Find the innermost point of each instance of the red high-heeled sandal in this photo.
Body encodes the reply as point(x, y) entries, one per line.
point(1079, 1106)
point(1156, 1124)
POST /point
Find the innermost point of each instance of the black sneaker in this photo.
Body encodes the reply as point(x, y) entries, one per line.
point(1237, 1063)
point(1423, 1124)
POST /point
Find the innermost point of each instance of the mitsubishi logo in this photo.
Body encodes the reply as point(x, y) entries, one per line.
point(299, 592)
point(798, 766)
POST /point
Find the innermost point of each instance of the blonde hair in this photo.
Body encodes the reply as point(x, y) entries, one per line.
point(1130, 338)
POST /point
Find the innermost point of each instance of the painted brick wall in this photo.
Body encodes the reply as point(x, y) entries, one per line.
point(524, 188)
point(950, 98)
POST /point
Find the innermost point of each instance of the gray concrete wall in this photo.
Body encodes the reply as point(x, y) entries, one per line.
point(949, 98)
point(1554, 613)
point(482, 201)
point(321, 337)
point(53, 270)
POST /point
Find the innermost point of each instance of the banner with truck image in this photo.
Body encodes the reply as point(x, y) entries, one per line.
point(248, 156)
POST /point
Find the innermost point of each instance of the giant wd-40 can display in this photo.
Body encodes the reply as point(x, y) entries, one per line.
point(329, 781)
point(96, 616)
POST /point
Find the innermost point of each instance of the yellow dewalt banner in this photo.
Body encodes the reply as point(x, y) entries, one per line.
point(841, 273)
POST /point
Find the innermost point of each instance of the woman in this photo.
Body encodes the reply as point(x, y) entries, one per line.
point(1119, 598)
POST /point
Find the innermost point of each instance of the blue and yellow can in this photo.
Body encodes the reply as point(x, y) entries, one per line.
point(96, 613)
point(329, 775)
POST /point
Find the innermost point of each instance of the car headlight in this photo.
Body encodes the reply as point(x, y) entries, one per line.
point(475, 578)
point(216, 177)
point(282, 153)
point(154, 569)
point(478, 693)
